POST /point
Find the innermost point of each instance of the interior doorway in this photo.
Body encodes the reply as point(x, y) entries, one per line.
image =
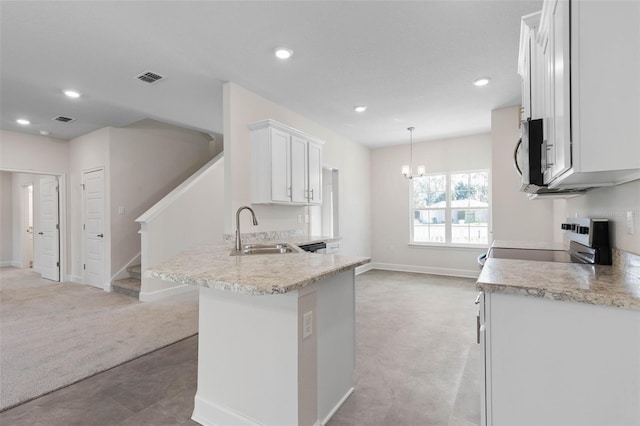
point(324, 218)
point(34, 235)
point(330, 197)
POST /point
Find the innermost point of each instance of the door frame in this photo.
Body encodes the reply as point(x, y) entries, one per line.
point(62, 215)
point(106, 224)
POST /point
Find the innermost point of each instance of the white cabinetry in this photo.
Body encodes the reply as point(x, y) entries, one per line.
point(551, 362)
point(531, 68)
point(286, 165)
point(588, 95)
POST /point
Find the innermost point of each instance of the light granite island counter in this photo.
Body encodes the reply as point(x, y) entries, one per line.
point(276, 334)
point(560, 341)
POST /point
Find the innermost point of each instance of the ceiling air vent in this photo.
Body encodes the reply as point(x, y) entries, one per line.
point(63, 119)
point(149, 77)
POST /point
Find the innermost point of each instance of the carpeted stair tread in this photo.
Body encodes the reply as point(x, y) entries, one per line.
point(135, 271)
point(127, 286)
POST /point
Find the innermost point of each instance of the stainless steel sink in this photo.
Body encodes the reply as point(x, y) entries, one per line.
point(252, 249)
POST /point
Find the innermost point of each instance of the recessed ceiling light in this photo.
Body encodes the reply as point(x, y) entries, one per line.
point(23, 121)
point(72, 94)
point(482, 81)
point(44, 133)
point(360, 108)
point(283, 53)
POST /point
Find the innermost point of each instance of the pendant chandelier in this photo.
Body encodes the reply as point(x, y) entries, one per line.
point(407, 170)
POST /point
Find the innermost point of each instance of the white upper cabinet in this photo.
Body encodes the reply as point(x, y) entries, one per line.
point(280, 172)
point(286, 165)
point(315, 173)
point(299, 178)
point(530, 67)
point(588, 95)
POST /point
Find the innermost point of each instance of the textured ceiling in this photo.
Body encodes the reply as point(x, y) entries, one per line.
point(411, 63)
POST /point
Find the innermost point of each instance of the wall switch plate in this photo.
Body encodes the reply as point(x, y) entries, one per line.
point(630, 224)
point(307, 324)
point(121, 211)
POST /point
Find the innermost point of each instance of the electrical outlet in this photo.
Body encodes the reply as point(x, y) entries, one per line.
point(121, 211)
point(307, 324)
point(630, 226)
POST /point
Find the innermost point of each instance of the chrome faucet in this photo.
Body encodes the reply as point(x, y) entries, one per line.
point(255, 222)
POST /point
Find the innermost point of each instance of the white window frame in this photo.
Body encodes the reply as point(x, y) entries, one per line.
point(448, 211)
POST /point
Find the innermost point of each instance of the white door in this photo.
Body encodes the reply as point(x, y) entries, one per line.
point(93, 226)
point(50, 229)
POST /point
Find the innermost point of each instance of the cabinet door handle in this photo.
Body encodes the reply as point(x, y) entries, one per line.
point(478, 329)
point(311, 194)
point(40, 233)
point(289, 193)
point(547, 150)
point(100, 235)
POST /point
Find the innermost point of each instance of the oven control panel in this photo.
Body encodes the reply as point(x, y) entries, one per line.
point(587, 231)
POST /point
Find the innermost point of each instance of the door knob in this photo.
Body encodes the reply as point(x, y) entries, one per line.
point(100, 235)
point(40, 233)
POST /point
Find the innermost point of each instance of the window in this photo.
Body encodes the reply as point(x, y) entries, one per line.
point(450, 209)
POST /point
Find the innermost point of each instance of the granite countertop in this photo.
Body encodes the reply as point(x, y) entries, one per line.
point(594, 284)
point(264, 274)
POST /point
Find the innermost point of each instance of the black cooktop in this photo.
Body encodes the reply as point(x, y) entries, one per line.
point(533, 254)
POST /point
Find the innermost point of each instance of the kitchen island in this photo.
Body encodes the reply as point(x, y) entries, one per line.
point(276, 334)
point(561, 342)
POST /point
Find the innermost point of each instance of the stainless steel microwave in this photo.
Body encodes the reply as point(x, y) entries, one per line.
point(529, 148)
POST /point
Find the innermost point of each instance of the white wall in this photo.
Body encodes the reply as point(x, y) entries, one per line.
point(391, 209)
point(30, 153)
point(37, 154)
point(612, 203)
point(242, 107)
point(147, 160)
point(193, 216)
point(142, 163)
point(6, 219)
point(514, 216)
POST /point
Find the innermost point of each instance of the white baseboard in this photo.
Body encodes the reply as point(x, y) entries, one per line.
point(107, 287)
point(75, 279)
point(451, 272)
point(364, 268)
point(100, 286)
point(209, 414)
point(337, 407)
point(167, 293)
point(14, 263)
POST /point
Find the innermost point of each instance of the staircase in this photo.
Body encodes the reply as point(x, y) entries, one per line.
point(129, 286)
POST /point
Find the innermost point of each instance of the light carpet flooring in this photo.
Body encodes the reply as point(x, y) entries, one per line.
point(54, 334)
point(417, 364)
